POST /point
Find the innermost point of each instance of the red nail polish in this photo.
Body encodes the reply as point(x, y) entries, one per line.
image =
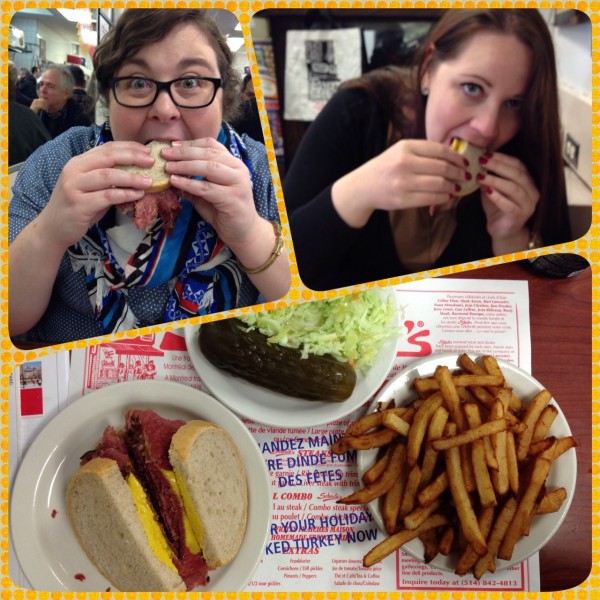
point(457, 187)
point(482, 160)
point(488, 155)
point(468, 176)
point(480, 176)
point(488, 190)
point(466, 162)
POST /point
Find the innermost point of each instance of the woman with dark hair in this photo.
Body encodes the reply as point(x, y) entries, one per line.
point(374, 190)
point(78, 265)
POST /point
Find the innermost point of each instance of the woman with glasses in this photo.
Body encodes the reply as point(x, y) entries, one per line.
point(375, 190)
point(78, 266)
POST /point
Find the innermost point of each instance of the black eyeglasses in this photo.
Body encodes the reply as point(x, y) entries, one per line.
point(186, 92)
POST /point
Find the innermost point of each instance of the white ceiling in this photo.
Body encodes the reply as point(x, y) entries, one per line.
point(226, 20)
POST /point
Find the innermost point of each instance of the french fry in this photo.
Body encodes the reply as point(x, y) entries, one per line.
point(462, 501)
point(469, 435)
point(500, 475)
point(469, 557)
point(381, 485)
point(396, 423)
point(430, 542)
point(526, 504)
point(374, 473)
point(391, 502)
point(530, 418)
point(419, 514)
point(501, 524)
point(410, 490)
point(434, 490)
point(392, 543)
point(544, 423)
point(430, 456)
point(512, 464)
point(368, 441)
point(451, 399)
point(419, 427)
point(483, 481)
point(446, 541)
point(552, 501)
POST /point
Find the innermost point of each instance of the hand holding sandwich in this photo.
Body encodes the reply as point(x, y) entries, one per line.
point(509, 198)
point(409, 174)
point(88, 186)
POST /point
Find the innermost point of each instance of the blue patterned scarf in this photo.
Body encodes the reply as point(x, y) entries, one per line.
point(201, 271)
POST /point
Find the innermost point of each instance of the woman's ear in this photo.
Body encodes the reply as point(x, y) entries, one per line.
point(426, 66)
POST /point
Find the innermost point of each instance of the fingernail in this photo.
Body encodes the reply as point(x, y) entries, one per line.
point(176, 143)
point(480, 176)
point(482, 160)
point(488, 155)
point(456, 187)
point(468, 176)
point(466, 162)
point(488, 190)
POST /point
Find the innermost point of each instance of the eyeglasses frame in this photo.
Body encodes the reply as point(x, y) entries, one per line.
point(165, 85)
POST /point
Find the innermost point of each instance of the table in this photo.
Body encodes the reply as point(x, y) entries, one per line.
point(561, 358)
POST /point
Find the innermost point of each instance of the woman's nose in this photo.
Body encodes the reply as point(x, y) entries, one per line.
point(487, 122)
point(163, 108)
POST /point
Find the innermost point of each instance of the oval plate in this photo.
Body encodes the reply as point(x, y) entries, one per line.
point(273, 408)
point(562, 474)
point(45, 544)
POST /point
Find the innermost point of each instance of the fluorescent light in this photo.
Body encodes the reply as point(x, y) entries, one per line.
point(82, 15)
point(235, 43)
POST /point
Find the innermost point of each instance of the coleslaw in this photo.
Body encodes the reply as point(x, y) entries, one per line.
point(350, 328)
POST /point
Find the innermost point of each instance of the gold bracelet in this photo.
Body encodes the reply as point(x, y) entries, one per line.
point(277, 249)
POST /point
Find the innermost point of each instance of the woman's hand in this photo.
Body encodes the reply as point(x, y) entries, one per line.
point(224, 199)
point(409, 174)
point(509, 197)
point(223, 195)
point(88, 186)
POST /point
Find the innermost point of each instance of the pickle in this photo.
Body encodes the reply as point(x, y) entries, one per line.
point(228, 345)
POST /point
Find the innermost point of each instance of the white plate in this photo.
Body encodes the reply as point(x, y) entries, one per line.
point(46, 547)
point(273, 408)
point(562, 474)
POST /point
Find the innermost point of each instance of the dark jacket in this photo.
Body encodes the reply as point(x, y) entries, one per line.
point(71, 115)
point(25, 133)
point(28, 86)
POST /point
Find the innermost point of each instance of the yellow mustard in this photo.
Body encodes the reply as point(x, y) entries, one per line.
point(458, 145)
point(155, 536)
point(191, 521)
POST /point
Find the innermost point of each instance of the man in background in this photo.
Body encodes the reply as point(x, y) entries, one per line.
point(26, 86)
point(54, 105)
point(25, 131)
point(79, 93)
point(249, 120)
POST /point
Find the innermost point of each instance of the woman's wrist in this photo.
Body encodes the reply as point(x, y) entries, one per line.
point(259, 248)
point(348, 201)
point(515, 243)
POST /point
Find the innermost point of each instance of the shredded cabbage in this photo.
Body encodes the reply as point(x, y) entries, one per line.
point(350, 328)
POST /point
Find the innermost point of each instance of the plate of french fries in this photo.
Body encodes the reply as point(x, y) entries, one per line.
point(466, 462)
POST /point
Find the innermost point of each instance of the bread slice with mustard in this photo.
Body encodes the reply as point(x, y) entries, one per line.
point(208, 466)
point(472, 154)
point(107, 525)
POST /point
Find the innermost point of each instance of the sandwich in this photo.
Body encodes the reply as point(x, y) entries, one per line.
point(160, 504)
point(472, 154)
point(159, 199)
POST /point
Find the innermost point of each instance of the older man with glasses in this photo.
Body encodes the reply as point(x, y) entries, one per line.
point(54, 104)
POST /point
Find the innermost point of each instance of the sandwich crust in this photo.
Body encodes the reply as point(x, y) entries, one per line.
point(160, 180)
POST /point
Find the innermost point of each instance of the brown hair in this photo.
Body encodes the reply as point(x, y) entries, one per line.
point(538, 141)
point(139, 27)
